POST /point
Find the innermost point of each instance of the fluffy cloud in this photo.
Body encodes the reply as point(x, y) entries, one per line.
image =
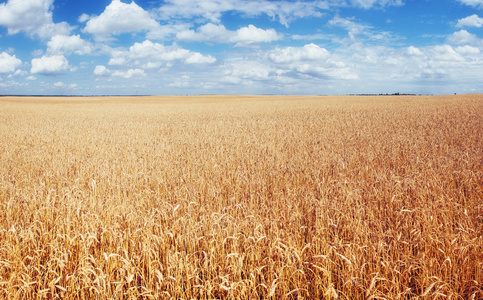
point(464, 37)
point(8, 63)
point(298, 54)
point(49, 65)
point(252, 34)
point(413, 51)
point(308, 61)
point(209, 32)
point(471, 21)
point(218, 33)
point(467, 50)
point(117, 18)
point(60, 84)
point(198, 58)
point(129, 73)
point(101, 71)
point(61, 44)
point(415, 65)
point(148, 53)
point(18, 73)
point(445, 53)
point(31, 16)
point(287, 69)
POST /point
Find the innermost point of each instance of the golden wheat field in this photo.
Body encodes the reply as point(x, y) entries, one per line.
point(230, 197)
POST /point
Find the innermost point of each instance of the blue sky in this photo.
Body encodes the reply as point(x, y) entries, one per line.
point(183, 47)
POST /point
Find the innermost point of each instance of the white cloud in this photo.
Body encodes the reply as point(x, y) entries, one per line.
point(62, 44)
point(101, 71)
point(198, 58)
point(209, 32)
point(411, 50)
point(471, 21)
point(49, 65)
point(31, 78)
point(366, 4)
point(464, 37)
point(218, 33)
point(8, 63)
point(297, 54)
point(83, 18)
point(60, 84)
point(129, 73)
point(416, 65)
point(19, 73)
point(245, 71)
point(467, 50)
point(150, 54)
point(474, 3)
point(118, 58)
point(308, 61)
point(31, 16)
point(251, 34)
point(117, 18)
point(445, 53)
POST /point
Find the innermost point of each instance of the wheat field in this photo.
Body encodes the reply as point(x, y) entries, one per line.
point(241, 197)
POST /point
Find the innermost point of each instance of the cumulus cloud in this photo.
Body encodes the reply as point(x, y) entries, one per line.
point(439, 62)
point(209, 33)
point(33, 17)
point(471, 21)
point(60, 84)
point(297, 54)
point(251, 34)
point(411, 50)
point(148, 52)
point(49, 65)
point(445, 53)
point(198, 58)
point(101, 71)
point(63, 44)
point(309, 60)
point(219, 34)
point(118, 18)
point(129, 73)
point(467, 50)
point(464, 37)
point(8, 63)
point(18, 73)
point(294, 68)
point(246, 71)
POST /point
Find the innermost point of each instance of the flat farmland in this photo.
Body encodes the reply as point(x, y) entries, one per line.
point(245, 197)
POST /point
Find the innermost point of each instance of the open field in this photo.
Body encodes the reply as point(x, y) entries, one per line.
point(241, 197)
